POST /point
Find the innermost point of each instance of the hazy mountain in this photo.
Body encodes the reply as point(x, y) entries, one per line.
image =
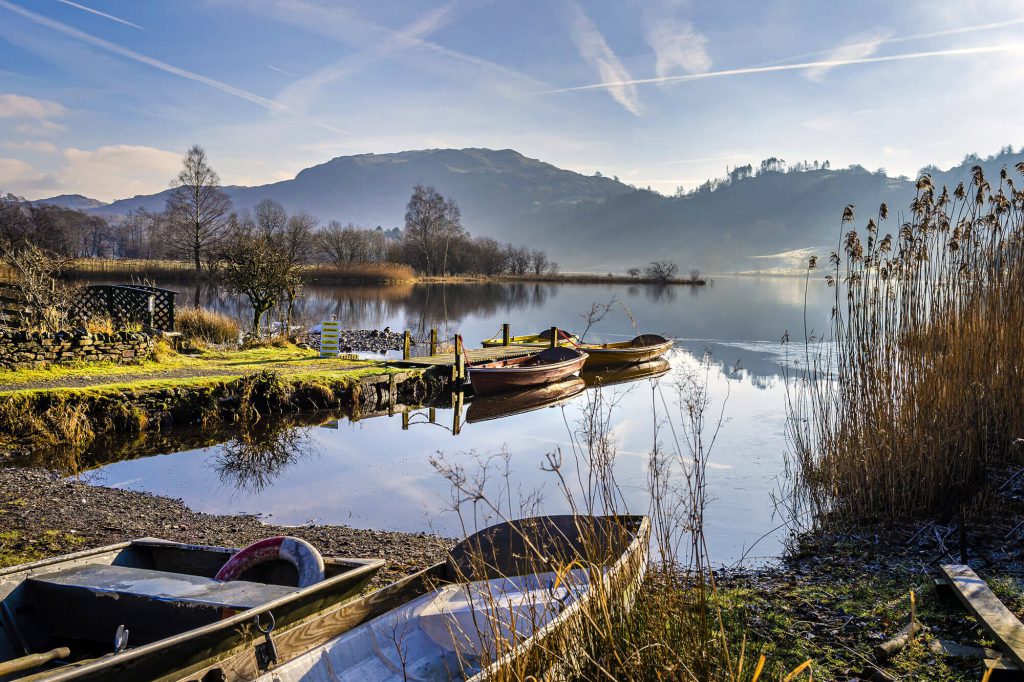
point(76, 202)
point(597, 223)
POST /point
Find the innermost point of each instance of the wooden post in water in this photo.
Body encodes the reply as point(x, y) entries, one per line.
point(554, 337)
point(433, 342)
point(460, 369)
point(505, 334)
point(405, 421)
point(406, 343)
point(432, 415)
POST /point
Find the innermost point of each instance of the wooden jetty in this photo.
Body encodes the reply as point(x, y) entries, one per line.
point(992, 614)
point(456, 361)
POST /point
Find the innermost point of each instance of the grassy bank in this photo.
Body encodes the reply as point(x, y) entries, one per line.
point(74, 405)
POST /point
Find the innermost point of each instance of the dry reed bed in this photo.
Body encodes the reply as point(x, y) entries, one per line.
point(918, 396)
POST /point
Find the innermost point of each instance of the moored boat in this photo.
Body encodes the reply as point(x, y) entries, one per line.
point(547, 366)
point(541, 340)
point(143, 609)
point(483, 408)
point(639, 349)
point(506, 598)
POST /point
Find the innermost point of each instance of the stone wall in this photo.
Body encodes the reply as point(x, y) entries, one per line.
point(24, 350)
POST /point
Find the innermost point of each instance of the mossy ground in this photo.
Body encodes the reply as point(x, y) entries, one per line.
point(836, 608)
point(175, 369)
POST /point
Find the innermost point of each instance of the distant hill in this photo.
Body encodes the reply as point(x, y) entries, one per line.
point(76, 202)
point(597, 223)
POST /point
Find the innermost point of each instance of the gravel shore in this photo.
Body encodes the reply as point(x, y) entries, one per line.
point(42, 514)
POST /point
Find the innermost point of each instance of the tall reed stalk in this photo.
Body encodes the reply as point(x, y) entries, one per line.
point(918, 394)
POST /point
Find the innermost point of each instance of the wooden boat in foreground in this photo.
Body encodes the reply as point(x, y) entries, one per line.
point(545, 367)
point(483, 408)
point(541, 340)
point(639, 349)
point(505, 598)
point(143, 609)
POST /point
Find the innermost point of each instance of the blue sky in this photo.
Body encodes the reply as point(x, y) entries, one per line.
point(102, 98)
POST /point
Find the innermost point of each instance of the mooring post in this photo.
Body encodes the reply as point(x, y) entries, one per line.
point(405, 421)
point(433, 342)
point(554, 336)
point(406, 343)
point(460, 370)
point(432, 415)
point(505, 334)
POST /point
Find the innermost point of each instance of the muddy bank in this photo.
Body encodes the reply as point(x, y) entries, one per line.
point(42, 515)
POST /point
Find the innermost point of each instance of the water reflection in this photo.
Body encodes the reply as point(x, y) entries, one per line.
point(260, 453)
point(375, 473)
point(487, 407)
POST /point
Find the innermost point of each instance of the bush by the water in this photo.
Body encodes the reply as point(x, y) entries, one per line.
point(918, 396)
point(201, 324)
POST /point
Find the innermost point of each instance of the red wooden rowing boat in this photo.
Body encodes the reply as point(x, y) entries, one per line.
point(545, 367)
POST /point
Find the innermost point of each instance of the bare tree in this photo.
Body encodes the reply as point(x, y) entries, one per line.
point(257, 268)
point(47, 300)
point(271, 219)
point(197, 209)
point(539, 262)
point(351, 244)
point(518, 259)
point(491, 258)
point(662, 270)
point(432, 223)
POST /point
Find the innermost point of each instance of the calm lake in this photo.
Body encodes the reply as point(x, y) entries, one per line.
point(374, 474)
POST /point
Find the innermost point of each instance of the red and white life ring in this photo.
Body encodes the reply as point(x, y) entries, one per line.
point(298, 552)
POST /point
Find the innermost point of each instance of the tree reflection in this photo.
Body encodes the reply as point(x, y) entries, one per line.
point(261, 452)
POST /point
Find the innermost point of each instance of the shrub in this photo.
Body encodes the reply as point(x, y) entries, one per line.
point(201, 324)
point(662, 270)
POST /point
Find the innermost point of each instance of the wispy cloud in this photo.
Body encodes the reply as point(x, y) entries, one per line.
point(953, 52)
point(98, 13)
point(160, 65)
point(677, 44)
point(595, 51)
point(844, 54)
point(301, 93)
point(23, 106)
point(280, 70)
point(38, 146)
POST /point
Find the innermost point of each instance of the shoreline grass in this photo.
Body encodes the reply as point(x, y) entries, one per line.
point(165, 270)
point(917, 398)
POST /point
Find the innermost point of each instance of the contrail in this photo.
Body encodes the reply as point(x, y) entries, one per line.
point(98, 13)
point(162, 66)
point(827, 64)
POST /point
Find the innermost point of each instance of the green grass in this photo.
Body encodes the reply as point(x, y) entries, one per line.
point(16, 548)
point(214, 366)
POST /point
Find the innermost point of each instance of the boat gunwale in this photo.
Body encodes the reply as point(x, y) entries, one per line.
point(530, 369)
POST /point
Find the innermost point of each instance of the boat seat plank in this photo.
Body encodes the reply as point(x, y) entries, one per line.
point(89, 601)
point(991, 613)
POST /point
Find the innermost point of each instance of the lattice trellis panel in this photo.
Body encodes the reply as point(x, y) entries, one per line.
point(127, 304)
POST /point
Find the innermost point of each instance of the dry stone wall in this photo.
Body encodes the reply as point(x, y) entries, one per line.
point(26, 350)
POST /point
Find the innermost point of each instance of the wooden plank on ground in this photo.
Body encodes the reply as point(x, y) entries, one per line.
point(993, 615)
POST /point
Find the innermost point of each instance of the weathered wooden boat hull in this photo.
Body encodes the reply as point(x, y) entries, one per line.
point(165, 634)
point(528, 372)
point(484, 408)
point(614, 547)
point(641, 349)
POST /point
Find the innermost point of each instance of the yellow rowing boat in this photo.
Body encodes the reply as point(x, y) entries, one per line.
point(640, 349)
point(542, 340)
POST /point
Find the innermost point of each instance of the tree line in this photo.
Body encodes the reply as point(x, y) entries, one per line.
point(199, 224)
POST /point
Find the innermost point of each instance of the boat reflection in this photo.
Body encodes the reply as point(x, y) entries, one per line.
point(485, 408)
point(651, 369)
